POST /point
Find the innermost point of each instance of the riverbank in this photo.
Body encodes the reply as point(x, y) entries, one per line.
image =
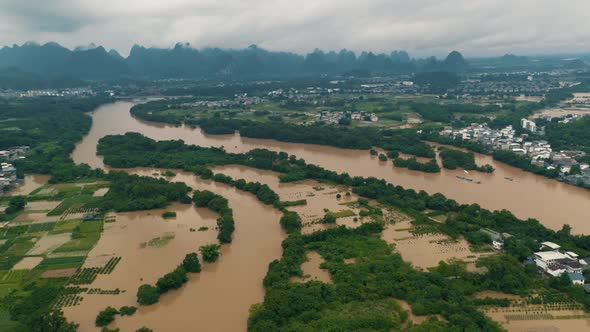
point(528, 196)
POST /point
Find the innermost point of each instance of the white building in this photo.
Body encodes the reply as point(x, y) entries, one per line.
point(528, 125)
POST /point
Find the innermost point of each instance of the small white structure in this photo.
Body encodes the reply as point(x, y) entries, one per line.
point(577, 278)
point(528, 125)
point(550, 245)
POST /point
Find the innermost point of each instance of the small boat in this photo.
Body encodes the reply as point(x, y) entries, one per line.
point(478, 182)
point(460, 177)
point(469, 179)
point(508, 178)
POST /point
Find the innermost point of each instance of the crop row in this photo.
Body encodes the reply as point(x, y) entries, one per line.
point(87, 275)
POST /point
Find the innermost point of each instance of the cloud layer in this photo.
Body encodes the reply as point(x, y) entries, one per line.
point(423, 27)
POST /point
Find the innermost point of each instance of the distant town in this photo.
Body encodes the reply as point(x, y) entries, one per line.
point(539, 151)
point(8, 176)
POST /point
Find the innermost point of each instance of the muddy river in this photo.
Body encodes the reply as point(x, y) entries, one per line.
point(528, 195)
point(218, 298)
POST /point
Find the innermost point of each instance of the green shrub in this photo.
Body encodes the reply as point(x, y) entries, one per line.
point(147, 294)
point(106, 316)
point(210, 252)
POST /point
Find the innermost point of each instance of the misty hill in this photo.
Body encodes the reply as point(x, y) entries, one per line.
point(455, 62)
point(183, 61)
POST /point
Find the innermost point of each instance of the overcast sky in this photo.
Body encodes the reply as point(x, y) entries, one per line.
point(422, 27)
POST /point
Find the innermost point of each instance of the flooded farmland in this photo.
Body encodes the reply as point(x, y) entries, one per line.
point(29, 184)
point(528, 196)
point(218, 299)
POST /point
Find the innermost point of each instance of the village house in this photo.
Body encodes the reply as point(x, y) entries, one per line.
point(555, 262)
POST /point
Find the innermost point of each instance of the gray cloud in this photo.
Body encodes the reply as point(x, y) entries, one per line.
point(423, 27)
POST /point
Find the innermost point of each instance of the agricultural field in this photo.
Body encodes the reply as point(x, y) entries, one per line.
point(544, 309)
point(45, 245)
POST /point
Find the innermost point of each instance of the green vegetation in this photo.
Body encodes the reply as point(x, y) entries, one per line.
point(451, 159)
point(464, 220)
point(51, 126)
point(413, 164)
point(106, 316)
point(574, 135)
point(144, 329)
point(15, 204)
point(127, 310)
point(56, 263)
point(158, 242)
point(50, 320)
point(169, 173)
point(329, 218)
point(225, 222)
point(87, 275)
point(523, 163)
point(133, 193)
point(172, 280)
point(361, 291)
point(437, 81)
point(84, 237)
point(290, 221)
point(147, 294)
point(168, 214)
point(191, 263)
point(339, 136)
point(210, 252)
point(294, 203)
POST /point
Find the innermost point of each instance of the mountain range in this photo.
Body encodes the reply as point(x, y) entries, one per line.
point(184, 61)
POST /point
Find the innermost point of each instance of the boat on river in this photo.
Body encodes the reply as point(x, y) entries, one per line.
point(508, 178)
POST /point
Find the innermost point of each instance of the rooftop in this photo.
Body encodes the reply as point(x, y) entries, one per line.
point(550, 255)
point(575, 276)
point(551, 245)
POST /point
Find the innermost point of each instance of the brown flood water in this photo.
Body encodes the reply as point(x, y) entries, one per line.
point(218, 298)
point(30, 183)
point(528, 196)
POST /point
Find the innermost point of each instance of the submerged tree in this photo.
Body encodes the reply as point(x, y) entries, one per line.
point(210, 252)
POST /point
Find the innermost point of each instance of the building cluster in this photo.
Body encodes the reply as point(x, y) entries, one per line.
point(362, 116)
point(556, 262)
point(540, 151)
point(502, 88)
point(550, 258)
point(335, 117)
point(238, 100)
point(69, 92)
point(580, 99)
point(8, 177)
point(497, 238)
point(571, 118)
point(502, 139)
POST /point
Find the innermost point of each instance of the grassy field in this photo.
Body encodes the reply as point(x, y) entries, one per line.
point(84, 236)
point(61, 263)
point(343, 214)
point(66, 226)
